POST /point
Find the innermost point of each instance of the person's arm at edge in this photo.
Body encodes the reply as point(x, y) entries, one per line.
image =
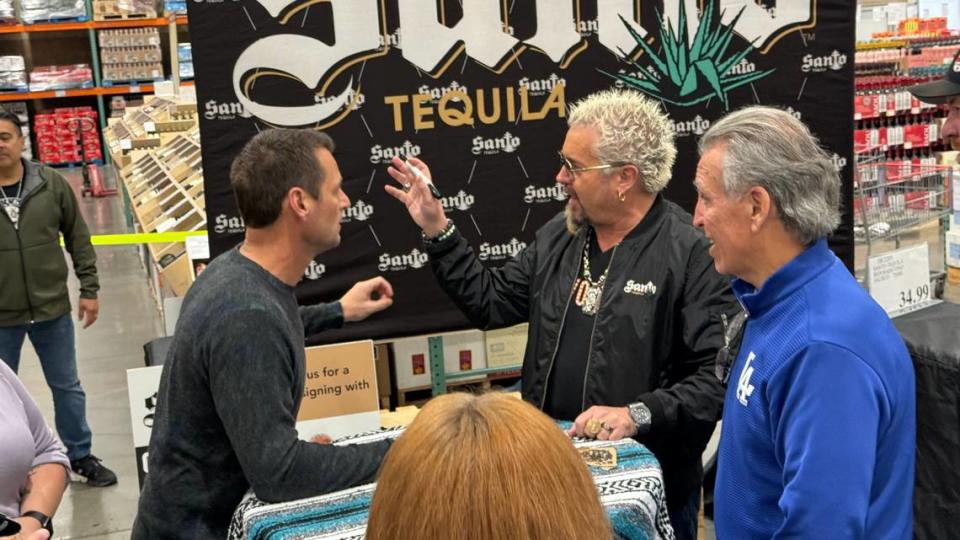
point(48, 476)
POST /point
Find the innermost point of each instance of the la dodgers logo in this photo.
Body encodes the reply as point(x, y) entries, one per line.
point(744, 388)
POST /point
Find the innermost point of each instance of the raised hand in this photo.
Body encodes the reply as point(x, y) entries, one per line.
point(414, 193)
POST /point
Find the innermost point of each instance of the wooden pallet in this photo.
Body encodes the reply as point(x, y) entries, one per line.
point(120, 10)
point(121, 16)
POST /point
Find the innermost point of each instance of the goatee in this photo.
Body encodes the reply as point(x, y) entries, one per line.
point(573, 222)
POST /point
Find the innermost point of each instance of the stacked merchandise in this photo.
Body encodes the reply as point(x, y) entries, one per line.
point(175, 6)
point(900, 182)
point(13, 74)
point(68, 135)
point(32, 11)
point(105, 10)
point(45, 78)
point(118, 106)
point(19, 108)
point(131, 54)
point(185, 56)
point(8, 13)
point(894, 129)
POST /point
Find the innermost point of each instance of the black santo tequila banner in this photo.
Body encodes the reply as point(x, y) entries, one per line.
point(479, 89)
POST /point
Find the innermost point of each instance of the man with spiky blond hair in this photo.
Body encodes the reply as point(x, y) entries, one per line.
point(623, 302)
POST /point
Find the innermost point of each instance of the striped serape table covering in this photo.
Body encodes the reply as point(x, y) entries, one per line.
point(631, 492)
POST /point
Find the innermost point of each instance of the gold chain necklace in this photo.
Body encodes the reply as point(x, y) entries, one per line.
point(588, 291)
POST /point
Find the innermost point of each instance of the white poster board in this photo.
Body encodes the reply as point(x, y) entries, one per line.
point(142, 386)
point(900, 280)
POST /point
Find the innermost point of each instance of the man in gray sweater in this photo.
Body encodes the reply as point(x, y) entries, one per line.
point(234, 376)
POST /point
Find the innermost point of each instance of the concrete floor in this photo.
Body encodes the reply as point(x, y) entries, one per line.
point(129, 318)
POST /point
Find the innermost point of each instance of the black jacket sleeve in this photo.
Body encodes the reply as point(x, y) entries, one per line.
point(279, 466)
point(489, 297)
point(692, 401)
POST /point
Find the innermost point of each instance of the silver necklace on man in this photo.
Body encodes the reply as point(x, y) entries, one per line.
point(11, 205)
point(588, 292)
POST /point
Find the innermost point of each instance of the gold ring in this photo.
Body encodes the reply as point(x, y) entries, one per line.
point(593, 427)
point(406, 188)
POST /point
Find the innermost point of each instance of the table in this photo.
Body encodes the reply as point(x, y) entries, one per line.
point(631, 493)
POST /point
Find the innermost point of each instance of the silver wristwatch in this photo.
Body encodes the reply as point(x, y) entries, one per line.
point(640, 414)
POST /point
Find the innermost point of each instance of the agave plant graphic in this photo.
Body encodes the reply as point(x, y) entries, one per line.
point(697, 71)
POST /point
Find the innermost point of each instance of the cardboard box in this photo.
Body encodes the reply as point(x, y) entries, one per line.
point(339, 397)
point(462, 351)
point(505, 346)
point(411, 362)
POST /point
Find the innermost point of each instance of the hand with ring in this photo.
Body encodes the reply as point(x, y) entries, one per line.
point(604, 424)
point(414, 192)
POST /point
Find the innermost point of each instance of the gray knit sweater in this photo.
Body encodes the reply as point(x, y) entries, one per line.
point(228, 401)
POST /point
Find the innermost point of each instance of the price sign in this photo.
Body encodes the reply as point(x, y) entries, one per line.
point(198, 247)
point(900, 280)
point(60, 93)
point(163, 88)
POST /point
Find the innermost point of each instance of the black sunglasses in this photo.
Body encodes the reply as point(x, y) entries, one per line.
point(732, 338)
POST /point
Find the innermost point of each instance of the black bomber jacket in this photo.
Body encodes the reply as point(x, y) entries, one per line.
point(655, 336)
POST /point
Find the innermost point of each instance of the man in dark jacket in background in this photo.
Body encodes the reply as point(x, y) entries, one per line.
point(233, 379)
point(36, 206)
point(623, 301)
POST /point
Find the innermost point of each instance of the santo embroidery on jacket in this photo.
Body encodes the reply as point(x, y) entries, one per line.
point(744, 388)
point(646, 289)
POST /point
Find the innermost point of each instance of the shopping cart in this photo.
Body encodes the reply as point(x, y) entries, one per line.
point(892, 198)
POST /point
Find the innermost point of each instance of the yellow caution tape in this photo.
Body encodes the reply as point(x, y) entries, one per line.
point(141, 238)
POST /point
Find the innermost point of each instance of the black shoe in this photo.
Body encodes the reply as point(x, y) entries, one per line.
point(92, 471)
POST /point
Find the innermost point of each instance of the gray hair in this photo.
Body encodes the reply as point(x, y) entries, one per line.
point(769, 148)
point(632, 128)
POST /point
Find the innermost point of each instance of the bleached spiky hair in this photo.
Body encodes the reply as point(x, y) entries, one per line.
point(632, 128)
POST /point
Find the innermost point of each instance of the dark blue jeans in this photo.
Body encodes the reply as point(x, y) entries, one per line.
point(684, 520)
point(54, 343)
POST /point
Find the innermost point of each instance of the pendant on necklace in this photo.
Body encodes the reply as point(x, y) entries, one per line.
point(12, 209)
point(591, 301)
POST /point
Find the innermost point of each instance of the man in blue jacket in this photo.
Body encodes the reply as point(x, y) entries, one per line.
point(819, 418)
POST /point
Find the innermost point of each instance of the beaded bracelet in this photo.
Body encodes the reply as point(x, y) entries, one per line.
point(447, 232)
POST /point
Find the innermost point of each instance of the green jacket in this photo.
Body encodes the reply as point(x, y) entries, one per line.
point(33, 270)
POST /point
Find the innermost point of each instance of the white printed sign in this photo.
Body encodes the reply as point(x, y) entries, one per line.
point(900, 280)
point(198, 247)
point(142, 386)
